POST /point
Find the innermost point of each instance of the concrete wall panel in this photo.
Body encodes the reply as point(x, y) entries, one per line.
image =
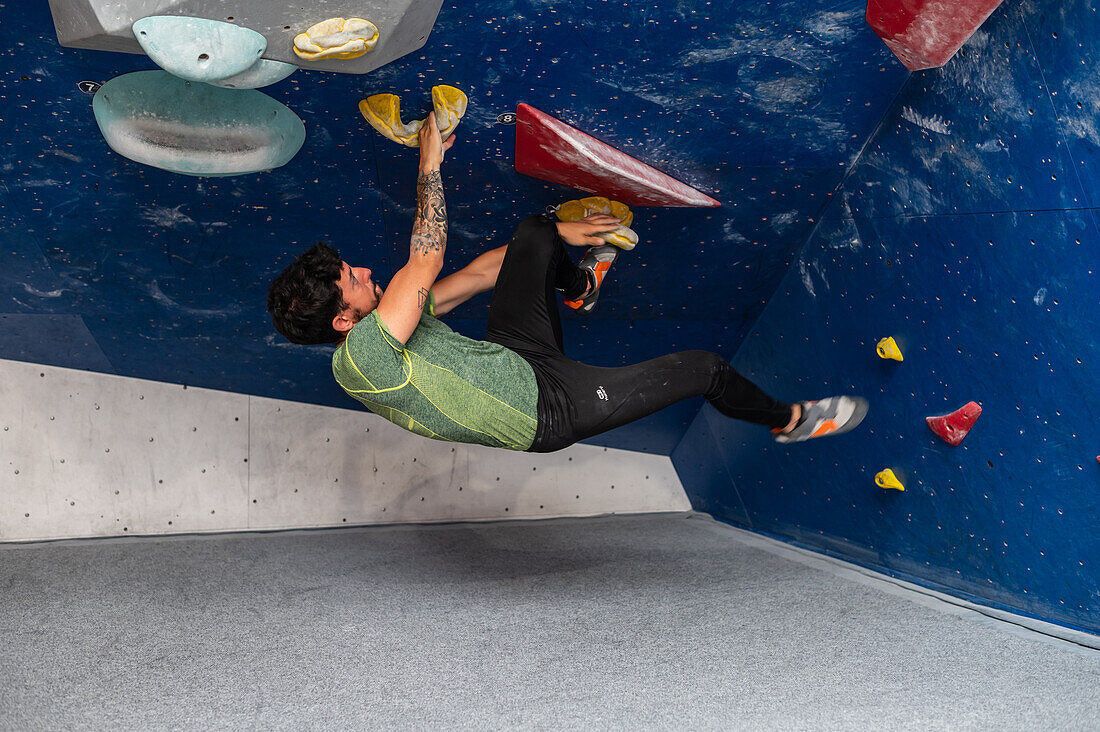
point(88, 454)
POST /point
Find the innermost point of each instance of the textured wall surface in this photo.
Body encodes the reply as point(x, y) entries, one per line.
point(115, 267)
point(88, 454)
point(968, 231)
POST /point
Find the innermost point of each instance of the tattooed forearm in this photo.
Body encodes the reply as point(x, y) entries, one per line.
point(429, 233)
point(422, 297)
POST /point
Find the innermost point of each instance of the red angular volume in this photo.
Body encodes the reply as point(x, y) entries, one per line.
point(952, 428)
point(549, 149)
point(924, 34)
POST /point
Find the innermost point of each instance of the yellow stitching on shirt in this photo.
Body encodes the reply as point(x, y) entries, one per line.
point(467, 382)
point(347, 354)
point(408, 377)
point(448, 416)
point(386, 335)
point(411, 420)
point(406, 359)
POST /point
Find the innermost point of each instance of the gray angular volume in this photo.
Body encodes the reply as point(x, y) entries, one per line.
point(105, 25)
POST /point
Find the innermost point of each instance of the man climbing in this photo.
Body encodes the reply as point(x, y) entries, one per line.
point(515, 389)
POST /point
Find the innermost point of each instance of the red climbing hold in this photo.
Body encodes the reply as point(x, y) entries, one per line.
point(952, 428)
point(924, 34)
point(549, 149)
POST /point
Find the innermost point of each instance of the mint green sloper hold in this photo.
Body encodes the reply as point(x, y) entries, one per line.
point(155, 118)
point(199, 49)
point(263, 72)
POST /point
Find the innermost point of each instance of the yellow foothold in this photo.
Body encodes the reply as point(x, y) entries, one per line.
point(888, 348)
point(622, 213)
point(336, 38)
point(383, 111)
point(596, 204)
point(887, 479)
point(571, 211)
point(624, 237)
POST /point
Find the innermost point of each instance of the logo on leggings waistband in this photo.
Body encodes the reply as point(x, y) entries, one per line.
point(601, 393)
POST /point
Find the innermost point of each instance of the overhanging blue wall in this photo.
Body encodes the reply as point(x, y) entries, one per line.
point(968, 231)
point(116, 267)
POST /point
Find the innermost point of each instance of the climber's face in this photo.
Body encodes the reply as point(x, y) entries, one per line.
point(360, 292)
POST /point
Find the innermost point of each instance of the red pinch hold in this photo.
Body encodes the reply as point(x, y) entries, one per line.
point(952, 428)
point(924, 34)
point(549, 149)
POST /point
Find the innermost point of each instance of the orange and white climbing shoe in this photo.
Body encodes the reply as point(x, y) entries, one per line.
point(596, 262)
point(832, 416)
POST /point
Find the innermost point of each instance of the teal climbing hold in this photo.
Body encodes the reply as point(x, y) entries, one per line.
point(261, 73)
point(155, 118)
point(199, 49)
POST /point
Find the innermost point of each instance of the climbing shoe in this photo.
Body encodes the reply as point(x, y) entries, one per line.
point(832, 416)
point(595, 263)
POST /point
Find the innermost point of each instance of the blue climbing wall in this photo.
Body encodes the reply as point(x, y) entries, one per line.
point(968, 232)
point(954, 209)
point(116, 267)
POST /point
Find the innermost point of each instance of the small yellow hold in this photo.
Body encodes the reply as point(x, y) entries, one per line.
point(383, 112)
point(887, 479)
point(338, 38)
point(888, 348)
point(624, 237)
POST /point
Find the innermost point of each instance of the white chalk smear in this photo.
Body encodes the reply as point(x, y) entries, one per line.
point(43, 183)
point(68, 156)
point(166, 217)
point(935, 123)
point(780, 223)
point(280, 342)
point(806, 281)
point(1041, 296)
point(158, 295)
point(732, 235)
point(40, 293)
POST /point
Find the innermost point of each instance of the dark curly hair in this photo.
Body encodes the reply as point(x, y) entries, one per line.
point(306, 296)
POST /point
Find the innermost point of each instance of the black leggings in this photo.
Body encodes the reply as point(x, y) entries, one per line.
point(575, 400)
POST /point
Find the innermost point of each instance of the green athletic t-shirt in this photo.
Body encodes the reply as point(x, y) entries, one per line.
point(440, 384)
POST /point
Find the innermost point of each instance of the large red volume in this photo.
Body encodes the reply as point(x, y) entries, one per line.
point(924, 34)
point(952, 428)
point(549, 149)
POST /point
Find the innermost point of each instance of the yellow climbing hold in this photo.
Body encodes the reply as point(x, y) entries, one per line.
point(888, 348)
point(887, 479)
point(576, 210)
point(622, 213)
point(383, 111)
point(571, 211)
point(623, 237)
point(450, 105)
point(336, 38)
